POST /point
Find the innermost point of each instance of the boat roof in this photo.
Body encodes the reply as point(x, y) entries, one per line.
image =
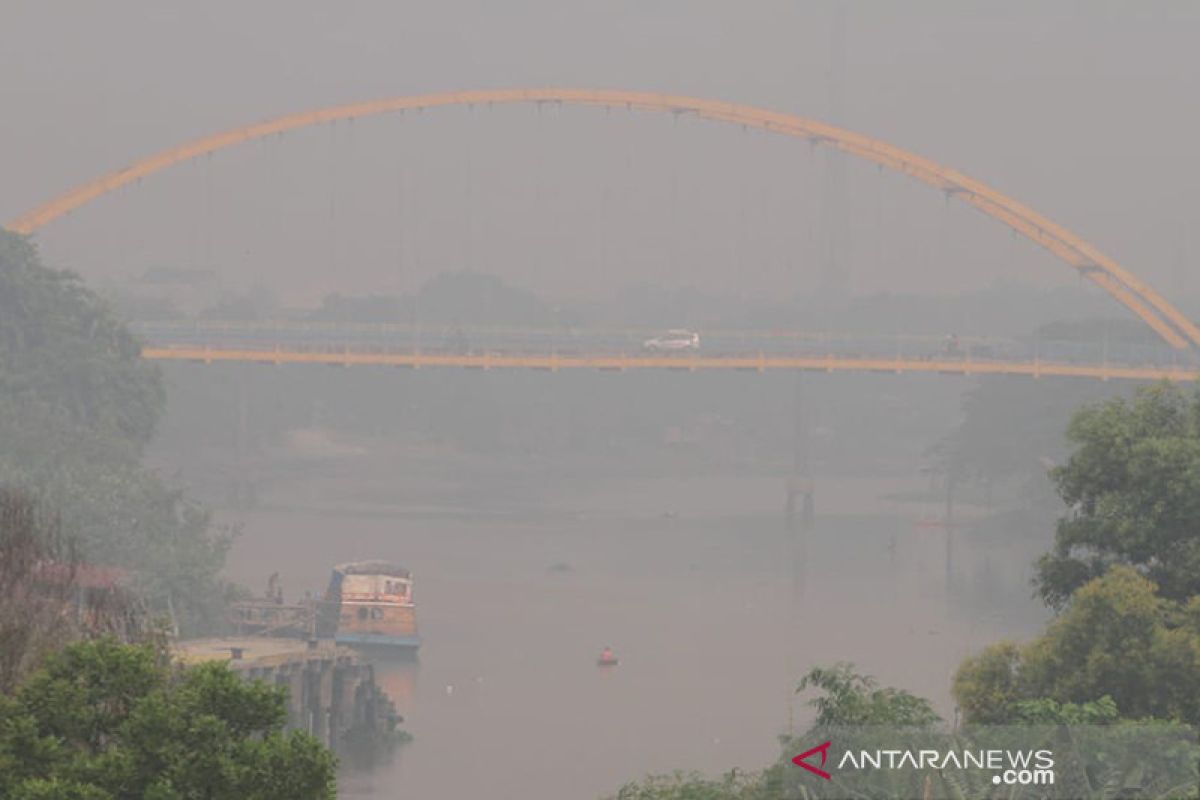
point(373, 568)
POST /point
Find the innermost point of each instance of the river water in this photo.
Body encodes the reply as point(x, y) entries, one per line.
point(714, 616)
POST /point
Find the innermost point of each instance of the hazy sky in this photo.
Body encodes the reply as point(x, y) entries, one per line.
point(1085, 111)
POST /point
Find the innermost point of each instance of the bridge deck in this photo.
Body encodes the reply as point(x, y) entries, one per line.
point(619, 362)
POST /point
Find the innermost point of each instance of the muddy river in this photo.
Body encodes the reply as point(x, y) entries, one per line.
point(714, 609)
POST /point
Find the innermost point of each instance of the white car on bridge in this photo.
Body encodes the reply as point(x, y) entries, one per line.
point(677, 339)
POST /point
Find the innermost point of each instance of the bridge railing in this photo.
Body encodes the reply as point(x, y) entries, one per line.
point(269, 336)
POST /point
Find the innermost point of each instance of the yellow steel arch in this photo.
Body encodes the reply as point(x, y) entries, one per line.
point(1151, 307)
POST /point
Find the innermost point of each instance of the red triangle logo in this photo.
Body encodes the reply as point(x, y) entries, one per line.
point(823, 749)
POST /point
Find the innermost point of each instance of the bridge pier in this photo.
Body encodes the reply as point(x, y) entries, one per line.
point(242, 493)
point(799, 488)
point(292, 678)
point(798, 522)
point(951, 480)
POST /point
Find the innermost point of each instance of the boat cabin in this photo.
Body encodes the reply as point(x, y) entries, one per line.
point(372, 603)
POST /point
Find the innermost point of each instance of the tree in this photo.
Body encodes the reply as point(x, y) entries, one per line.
point(47, 597)
point(987, 686)
point(1118, 647)
point(62, 350)
point(849, 698)
point(78, 405)
point(851, 707)
point(734, 785)
point(1124, 575)
point(466, 297)
point(1132, 486)
point(102, 720)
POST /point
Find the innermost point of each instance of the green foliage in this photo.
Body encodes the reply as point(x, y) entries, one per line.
point(63, 353)
point(1044, 711)
point(1133, 489)
point(1091, 762)
point(55, 789)
point(734, 785)
point(848, 704)
point(849, 698)
point(84, 692)
point(987, 685)
point(104, 720)
point(77, 406)
point(1119, 645)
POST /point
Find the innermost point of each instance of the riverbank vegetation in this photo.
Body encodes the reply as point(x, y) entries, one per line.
point(1119, 660)
point(1122, 574)
point(100, 720)
point(78, 406)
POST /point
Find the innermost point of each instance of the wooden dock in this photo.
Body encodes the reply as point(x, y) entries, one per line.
point(332, 693)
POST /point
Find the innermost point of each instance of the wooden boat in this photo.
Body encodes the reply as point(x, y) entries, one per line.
point(370, 603)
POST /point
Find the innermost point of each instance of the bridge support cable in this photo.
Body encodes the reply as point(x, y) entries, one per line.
point(1166, 320)
point(673, 238)
point(333, 198)
point(468, 176)
point(401, 222)
point(195, 201)
point(207, 220)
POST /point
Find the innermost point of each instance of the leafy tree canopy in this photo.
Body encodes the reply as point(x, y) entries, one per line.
point(849, 698)
point(102, 720)
point(734, 785)
point(1118, 647)
point(1132, 486)
point(63, 353)
point(77, 406)
point(846, 700)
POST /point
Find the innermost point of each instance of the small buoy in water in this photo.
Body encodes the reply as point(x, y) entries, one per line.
point(606, 659)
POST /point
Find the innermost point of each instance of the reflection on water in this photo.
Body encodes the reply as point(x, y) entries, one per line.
point(398, 677)
point(714, 618)
point(363, 761)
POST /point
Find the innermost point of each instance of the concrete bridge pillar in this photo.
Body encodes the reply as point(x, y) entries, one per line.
point(291, 677)
point(322, 700)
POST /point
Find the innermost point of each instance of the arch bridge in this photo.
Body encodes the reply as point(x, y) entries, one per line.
point(1072, 250)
